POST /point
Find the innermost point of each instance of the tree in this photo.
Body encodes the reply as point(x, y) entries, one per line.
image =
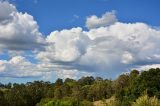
point(86, 80)
point(148, 80)
point(58, 93)
point(99, 90)
point(2, 99)
point(59, 82)
point(121, 82)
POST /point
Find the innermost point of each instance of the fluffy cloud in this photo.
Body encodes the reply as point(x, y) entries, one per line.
point(72, 74)
point(146, 67)
point(18, 31)
point(107, 48)
point(107, 19)
point(123, 46)
point(120, 46)
point(65, 45)
point(18, 66)
point(5, 16)
point(131, 39)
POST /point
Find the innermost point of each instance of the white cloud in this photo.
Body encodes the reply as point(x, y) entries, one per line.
point(120, 44)
point(19, 66)
point(113, 48)
point(107, 19)
point(127, 58)
point(108, 48)
point(65, 45)
point(147, 67)
point(6, 10)
point(18, 31)
point(72, 74)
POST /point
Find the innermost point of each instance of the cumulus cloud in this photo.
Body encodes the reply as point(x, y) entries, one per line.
point(147, 67)
point(18, 31)
point(65, 45)
point(5, 16)
point(20, 67)
point(72, 74)
point(107, 48)
point(107, 19)
point(113, 48)
point(123, 46)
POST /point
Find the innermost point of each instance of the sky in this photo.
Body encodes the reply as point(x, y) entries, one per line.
point(50, 39)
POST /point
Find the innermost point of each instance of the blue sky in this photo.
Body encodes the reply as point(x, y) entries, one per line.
point(60, 14)
point(48, 39)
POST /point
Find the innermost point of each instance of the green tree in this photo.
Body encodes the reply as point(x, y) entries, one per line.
point(2, 99)
point(58, 93)
point(59, 82)
point(86, 80)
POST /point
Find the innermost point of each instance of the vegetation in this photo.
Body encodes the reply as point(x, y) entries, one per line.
point(127, 90)
point(146, 101)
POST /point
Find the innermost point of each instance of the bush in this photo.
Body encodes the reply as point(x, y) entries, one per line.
point(145, 100)
point(67, 101)
point(154, 101)
point(112, 102)
point(50, 103)
point(44, 101)
point(86, 103)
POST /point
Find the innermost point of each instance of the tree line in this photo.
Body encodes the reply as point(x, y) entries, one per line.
point(129, 89)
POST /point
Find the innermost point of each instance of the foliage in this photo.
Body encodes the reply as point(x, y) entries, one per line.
point(43, 102)
point(145, 100)
point(123, 91)
point(64, 102)
point(86, 103)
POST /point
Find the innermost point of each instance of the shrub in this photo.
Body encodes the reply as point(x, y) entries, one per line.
point(145, 100)
point(86, 103)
